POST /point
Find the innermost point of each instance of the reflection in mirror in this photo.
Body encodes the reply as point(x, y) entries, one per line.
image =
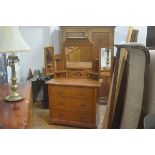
point(78, 57)
point(105, 58)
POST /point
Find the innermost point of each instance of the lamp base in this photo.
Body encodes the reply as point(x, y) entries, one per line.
point(11, 98)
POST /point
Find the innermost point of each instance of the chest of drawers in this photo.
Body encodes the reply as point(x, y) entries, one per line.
point(73, 102)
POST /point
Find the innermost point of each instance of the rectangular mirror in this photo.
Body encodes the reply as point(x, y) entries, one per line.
point(78, 57)
point(78, 54)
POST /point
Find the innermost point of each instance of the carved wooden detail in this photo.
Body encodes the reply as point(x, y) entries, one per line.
point(76, 59)
point(73, 93)
point(102, 37)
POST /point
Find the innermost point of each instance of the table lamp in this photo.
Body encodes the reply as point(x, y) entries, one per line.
point(12, 42)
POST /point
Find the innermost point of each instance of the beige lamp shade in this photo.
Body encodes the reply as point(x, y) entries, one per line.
point(12, 40)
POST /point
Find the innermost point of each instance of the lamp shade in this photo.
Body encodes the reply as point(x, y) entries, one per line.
point(12, 40)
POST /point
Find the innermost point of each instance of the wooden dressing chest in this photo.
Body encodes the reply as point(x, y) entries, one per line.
point(73, 101)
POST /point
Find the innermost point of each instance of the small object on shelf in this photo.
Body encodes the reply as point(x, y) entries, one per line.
point(39, 73)
point(96, 66)
point(43, 71)
point(35, 75)
point(95, 73)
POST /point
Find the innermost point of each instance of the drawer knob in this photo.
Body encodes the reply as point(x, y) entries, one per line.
point(82, 93)
point(60, 103)
point(61, 114)
point(82, 104)
point(60, 92)
point(82, 117)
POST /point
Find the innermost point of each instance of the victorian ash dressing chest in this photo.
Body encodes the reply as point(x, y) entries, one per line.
point(73, 102)
point(73, 93)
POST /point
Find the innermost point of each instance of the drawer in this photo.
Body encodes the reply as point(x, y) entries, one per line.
point(72, 103)
point(77, 74)
point(71, 91)
point(72, 115)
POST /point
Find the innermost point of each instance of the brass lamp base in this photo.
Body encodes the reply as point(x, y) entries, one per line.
point(14, 96)
point(11, 98)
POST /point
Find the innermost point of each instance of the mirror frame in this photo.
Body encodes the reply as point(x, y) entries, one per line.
point(77, 42)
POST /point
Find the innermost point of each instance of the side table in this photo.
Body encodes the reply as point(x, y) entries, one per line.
point(16, 115)
point(39, 84)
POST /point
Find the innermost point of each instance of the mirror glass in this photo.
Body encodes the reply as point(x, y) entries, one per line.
point(78, 57)
point(105, 58)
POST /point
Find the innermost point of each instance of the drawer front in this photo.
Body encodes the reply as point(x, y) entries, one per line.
point(71, 91)
point(78, 74)
point(72, 115)
point(72, 103)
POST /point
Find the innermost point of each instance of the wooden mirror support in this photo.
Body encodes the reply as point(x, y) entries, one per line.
point(78, 59)
point(73, 92)
point(48, 60)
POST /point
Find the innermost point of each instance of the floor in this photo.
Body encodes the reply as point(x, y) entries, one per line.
point(39, 118)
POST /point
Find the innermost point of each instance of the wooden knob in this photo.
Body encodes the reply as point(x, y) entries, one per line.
point(60, 103)
point(82, 117)
point(61, 114)
point(82, 93)
point(60, 92)
point(82, 104)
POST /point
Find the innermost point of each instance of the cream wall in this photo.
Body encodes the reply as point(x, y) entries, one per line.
point(39, 37)
point(121, 33)
point(142, 34)
point(55, 33)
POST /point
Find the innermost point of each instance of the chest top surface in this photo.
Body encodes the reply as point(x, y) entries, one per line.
point(75, 82)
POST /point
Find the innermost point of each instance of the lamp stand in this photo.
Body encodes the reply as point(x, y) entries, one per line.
point(14, 96)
